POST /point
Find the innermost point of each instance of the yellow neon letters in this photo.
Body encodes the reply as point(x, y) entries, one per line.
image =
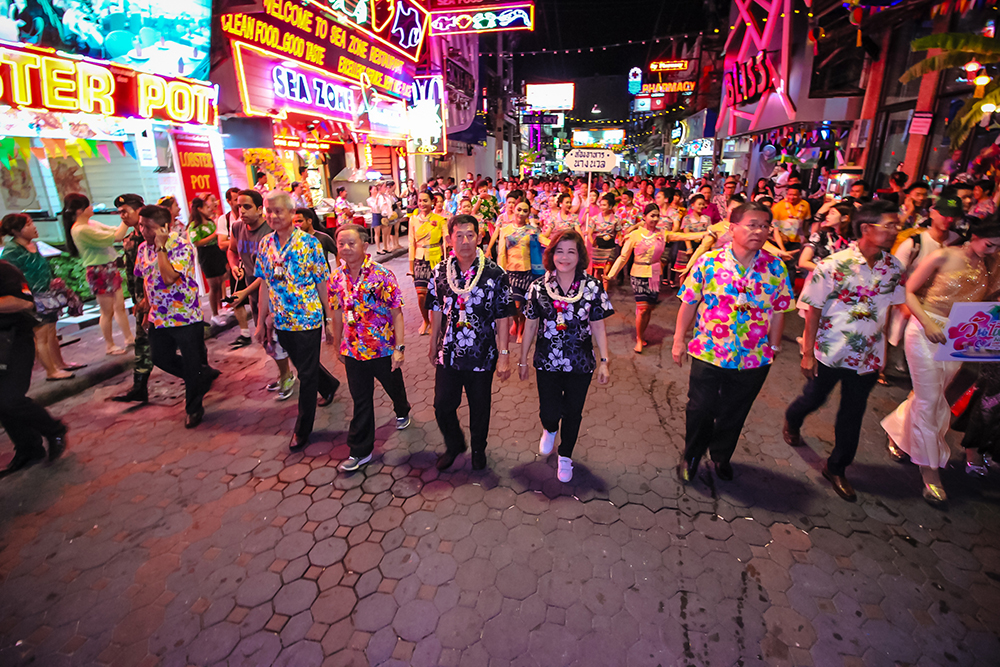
point(96, 84)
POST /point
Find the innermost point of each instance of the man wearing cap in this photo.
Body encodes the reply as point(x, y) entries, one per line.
point(128, 206)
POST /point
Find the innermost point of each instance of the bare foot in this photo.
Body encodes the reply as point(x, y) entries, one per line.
point(61, 375)
point(638, 347)
point(520, 337)
point(115, 350)
point(423, 329)
point(513, 329)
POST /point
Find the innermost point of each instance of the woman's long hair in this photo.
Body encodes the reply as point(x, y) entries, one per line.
point(197, 217)
point(72, 205)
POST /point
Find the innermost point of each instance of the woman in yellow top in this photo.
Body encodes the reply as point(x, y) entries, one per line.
point(427, 234)
point(94, 243)
point(514, 257)
point(647, 242)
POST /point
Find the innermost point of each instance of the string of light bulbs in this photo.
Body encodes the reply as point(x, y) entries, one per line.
point(628, 120)
point(603, 47)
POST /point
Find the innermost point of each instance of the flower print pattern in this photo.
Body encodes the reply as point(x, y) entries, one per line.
point(735, 306)
point(292, 274)
point(854, 301)
point(173, 305)
point(572, 349)
point(372, 335)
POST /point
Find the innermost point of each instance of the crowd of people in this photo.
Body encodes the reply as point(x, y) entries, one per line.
point(533, 260)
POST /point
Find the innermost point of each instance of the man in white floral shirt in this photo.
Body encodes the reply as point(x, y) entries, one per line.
point(847, 301)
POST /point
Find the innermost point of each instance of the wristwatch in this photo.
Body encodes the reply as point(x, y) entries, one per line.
point(400, 348)
point(504, 351)
point(163, 249)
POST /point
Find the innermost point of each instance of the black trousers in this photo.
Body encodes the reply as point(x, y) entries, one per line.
point(25, 421)
point(303, 349)
point(719, 400)
point(448, 386)
point(854, 390)
point(560, 398)
point(361, 376)
point(181, 352)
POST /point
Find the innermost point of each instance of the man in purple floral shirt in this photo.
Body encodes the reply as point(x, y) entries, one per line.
point(848, 299)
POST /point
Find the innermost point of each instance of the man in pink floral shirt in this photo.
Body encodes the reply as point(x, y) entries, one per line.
point(848, 299)
point(739, 295)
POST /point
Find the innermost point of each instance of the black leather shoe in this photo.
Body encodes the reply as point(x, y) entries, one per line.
point(57, 446)
point(446, 460)
point(324, 401)
point(139, 393)
point(478, 460)
point(687, 469)
point(194, 418)
point(211, 375)
point(724, 471)
point(22, 461)
point(792, 437)
point(298, 443)
point(841, 485)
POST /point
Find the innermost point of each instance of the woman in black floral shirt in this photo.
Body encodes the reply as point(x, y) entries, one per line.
point(566, 308)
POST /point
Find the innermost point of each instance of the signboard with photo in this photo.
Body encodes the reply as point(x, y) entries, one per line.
point(973, 333)
point(169, 37)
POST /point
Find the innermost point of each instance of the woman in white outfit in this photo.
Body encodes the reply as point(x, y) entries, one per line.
point(966, 273)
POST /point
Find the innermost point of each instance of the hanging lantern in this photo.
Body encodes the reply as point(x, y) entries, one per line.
point(816, 34)
point(857, 16)
point(981, 80)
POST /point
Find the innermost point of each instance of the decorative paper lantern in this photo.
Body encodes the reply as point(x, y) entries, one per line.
point(816, 34)
point(857, 16)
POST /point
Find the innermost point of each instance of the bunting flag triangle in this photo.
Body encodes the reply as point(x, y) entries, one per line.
point(39, 153)
point(74, 152)
point(5, 160)
point(130, 149)
point(104, 151)
point(121, 148)
point(90, 146)
point(83, 148)
point(24, 145)
point(60, 147)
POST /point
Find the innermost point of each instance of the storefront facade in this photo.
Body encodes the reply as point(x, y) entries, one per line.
point(74, 124)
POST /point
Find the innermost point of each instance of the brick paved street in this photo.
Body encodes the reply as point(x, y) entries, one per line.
point(152, 545)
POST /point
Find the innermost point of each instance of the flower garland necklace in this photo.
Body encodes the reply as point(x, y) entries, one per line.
point(350, 296)
point(462, 293)
point(562, 302)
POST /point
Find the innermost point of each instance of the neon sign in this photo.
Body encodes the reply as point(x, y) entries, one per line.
point(496, 18)
point(427, 121)
point(307, 37)
point(34, 78)
point(748, 81)
point(668, 66)
point(295, 86)
point(634, 81)
point(668, 87)
point(399, 24)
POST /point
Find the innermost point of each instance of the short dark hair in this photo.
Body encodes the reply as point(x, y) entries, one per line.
point(256, 197)
point(295, 184)
point(871, 214)
point(463, 219)
point(568, 234)
point(515, 194)
point(899, 178)
point(132, 201)
point(13, 222)
point(650, 207)
point(159, 215)
point(627, 192)
point(793, 186)
point(986, 184)
point(863, 183)
point(310, 214)
point(740, 211)
point(351, 227)
point(985, 229)
point(341, 189)
point(235, 192)
point(260, 175)
point(917, 186)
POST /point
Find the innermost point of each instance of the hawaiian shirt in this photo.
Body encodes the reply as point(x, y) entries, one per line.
point(292, 274)
point(489, 207)
point(918, 218)
point(629, 216)
point(203, 231)
point(983, 208)
point(470, 345)
point(788, 219)
point(566, 346)
point(367, 306)
point(855, 301)
point(671, 218)
point(173, 305)
point(735, 306)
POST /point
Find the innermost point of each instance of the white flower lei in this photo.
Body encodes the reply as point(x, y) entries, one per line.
point(450, 274)
point(549, 277)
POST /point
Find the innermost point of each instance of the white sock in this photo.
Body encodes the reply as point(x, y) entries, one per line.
point(245, 332)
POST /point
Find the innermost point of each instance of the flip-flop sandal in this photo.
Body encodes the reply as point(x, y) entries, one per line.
point(74, 367)
point(68, 377)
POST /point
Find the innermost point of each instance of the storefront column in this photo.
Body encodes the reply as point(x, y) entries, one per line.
point(873, 95)
point(927, 102)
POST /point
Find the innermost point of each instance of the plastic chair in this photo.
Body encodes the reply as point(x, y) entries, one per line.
point(113, 22)
point(118, 43)
point(148, 37)
point(135, 23)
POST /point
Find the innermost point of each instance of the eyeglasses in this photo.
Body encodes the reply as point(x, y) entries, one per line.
point(889, 225)
point(756, 228)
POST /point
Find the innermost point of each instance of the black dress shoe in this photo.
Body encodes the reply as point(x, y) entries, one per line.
point(724, 471)
point(687, 469)
point(22, 461)
point(792, 437)
point(840, 485)
point(478, 460)
point(324, 401)
point(194, 418)
point(298, 443)
point(446, 460)
point(57, 446)
point(210, 375)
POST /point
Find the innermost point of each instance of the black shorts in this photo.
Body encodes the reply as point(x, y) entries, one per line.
point(237, 284)
point(212, 261)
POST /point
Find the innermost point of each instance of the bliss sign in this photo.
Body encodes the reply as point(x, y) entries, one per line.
point(294, 86)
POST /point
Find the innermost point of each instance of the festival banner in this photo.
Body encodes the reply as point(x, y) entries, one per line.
point(973, 333)
point(197, 168)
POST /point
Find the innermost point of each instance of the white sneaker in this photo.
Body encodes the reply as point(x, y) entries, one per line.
point(565, 472)
point(547, 442)
point(220, 320)
point(352, 464)
point(286, 389)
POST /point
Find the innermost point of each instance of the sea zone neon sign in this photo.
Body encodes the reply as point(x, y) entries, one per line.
point(494, 18)
point(293, 85)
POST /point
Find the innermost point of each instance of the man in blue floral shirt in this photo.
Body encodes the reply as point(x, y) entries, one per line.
point(848, 300)
point(470, 300)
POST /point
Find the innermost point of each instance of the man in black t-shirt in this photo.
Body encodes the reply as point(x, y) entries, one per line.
point(25, 421)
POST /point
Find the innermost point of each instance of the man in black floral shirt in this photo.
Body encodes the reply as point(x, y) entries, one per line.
point(470, 302)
